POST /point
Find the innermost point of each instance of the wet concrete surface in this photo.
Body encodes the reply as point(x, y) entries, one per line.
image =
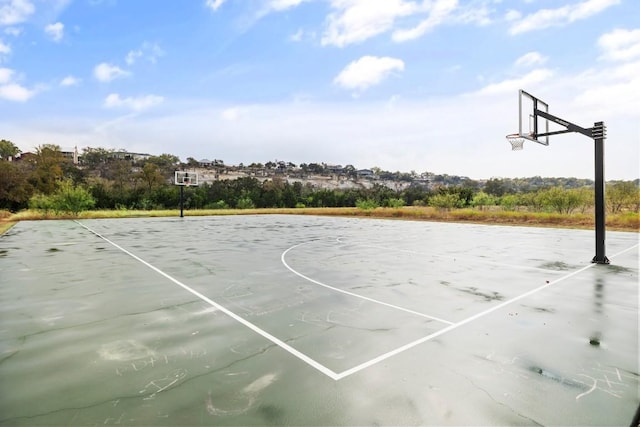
point(281, 320)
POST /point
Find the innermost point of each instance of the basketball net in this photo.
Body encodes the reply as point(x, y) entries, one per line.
point(516, 141)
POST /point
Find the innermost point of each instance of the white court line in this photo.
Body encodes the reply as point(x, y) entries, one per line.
point(328, 372)
point(467, 320)
point(354, 294)
point(311, 362)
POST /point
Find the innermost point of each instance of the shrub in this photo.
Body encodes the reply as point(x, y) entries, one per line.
point(245, 203)
point(67, 198)
point(446, 201)
point(366, 204)
point(41, 202)
point(482, 199)
point(220, 204)
point(395, 203)
point(509, 202)
point(71, 198)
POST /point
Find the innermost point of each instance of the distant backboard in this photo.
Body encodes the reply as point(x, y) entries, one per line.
point(186, 178)
point(530, 123)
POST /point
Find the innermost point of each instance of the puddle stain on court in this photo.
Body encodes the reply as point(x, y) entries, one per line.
point(620, 269)
point(225, 404)
point(125, 350)
point(539, 309)
point(612, 381)
point(558, 266)
point(486, 296)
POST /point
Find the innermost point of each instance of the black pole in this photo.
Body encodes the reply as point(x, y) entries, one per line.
point(181, 200)
point(598, 138)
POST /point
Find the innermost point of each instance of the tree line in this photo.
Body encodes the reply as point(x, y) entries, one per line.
point(47, 180)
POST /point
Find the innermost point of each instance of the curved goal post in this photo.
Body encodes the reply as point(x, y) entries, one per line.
point(185, 179)
point(534, 125)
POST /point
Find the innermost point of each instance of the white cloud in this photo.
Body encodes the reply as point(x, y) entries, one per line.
point(367, 71)
point(512, 15)
point(279, 5)
point(132, 56)
point(15, 92)
point(106, 72)
point(136, 104)
point(149, 51)
point(5, 49)
point(620, 45)
point(13, 31)
point(55, 31)
point(297, 36)
point(473, 13)
point(354, 21)
point(610, 91)
point(15, 11)
point(5, 75)
point(512, 85)
point(545, 18)
point(231, 114)
point(12, 91)
point(70, 81)
point(529, 59)
point(214, 4)
point(438, 13)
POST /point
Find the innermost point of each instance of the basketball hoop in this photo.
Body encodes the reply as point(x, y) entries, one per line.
point(516, 141)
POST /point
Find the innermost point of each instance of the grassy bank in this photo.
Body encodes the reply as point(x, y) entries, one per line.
point(628, 221)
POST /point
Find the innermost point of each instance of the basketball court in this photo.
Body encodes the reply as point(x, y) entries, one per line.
point(296, 320)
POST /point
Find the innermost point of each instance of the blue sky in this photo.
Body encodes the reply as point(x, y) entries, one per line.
point(424, 85)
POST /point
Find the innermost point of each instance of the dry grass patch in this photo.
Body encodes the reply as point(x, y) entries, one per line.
point(628, 221)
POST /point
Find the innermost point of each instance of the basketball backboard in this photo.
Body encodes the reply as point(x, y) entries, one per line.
point(530, 124)
point(186, 178)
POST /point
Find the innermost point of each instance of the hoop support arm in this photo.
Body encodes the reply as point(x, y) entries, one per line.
point(570, 126)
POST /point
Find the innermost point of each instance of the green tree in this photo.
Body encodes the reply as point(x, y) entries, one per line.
point(96, 158)
point(72, 198)
point(245, 203)
point(166, 163)
point(445, 201)
point(150, 176)
point(495, 187)
point(366, 204)
point(394, 202)
point(587, 199)
point(41, 202)
point(510, 202)
point(621, 195)
point(482, 200)
point(15, 189)
point(67, 198)
point(47, 168)
point(8, 149)
point(561, 200)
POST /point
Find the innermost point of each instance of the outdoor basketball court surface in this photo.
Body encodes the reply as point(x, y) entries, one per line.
point(296, 320)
